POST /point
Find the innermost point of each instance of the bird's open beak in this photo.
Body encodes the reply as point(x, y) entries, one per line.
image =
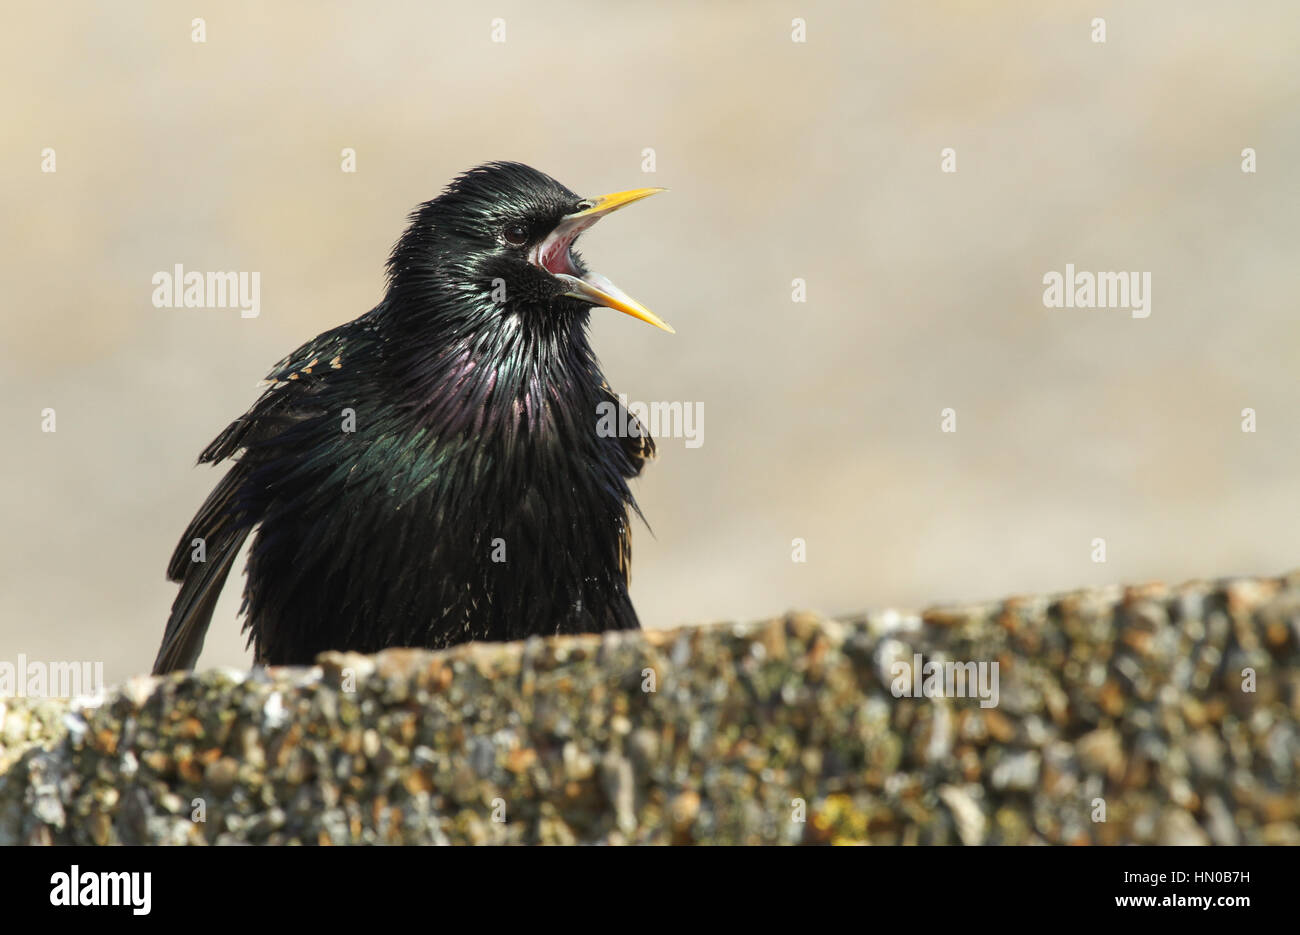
point(552, 254)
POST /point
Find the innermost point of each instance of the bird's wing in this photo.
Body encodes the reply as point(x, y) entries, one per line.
point(638, 445)
point(291, 386)
point(225, 519)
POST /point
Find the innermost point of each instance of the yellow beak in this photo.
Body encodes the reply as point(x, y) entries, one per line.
point(612, 202)
point(593, 287)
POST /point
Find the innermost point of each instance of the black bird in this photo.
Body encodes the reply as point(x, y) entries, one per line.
point(432, 472)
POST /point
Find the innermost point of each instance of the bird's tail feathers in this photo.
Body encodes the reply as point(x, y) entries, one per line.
point(201, 567)
point(192, 610)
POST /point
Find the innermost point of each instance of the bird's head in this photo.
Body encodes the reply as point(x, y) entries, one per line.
point(498, 243)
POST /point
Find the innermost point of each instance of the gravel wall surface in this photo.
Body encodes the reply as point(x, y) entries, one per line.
point(1145, 714)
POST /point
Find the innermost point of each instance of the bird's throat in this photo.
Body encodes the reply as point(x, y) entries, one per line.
point(515, 380)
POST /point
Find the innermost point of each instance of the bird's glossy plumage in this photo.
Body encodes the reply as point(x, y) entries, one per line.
point(474, 499)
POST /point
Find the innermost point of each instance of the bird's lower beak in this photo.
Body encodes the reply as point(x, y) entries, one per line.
point(596, 289)
point(593, 287)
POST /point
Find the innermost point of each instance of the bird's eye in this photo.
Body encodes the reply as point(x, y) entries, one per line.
point(515, 234)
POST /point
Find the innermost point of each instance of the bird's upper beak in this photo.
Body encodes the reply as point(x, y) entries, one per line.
point(552, 255)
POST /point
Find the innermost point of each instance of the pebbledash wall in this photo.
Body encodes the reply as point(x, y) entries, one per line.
point(1129, 715)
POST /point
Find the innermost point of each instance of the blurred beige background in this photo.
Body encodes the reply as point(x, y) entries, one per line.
point(817, 160)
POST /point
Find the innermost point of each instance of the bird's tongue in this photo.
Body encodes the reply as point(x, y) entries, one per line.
point(553, 252)
point(555, 257)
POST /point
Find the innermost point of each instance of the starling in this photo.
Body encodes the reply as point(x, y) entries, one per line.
point(432, 472)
